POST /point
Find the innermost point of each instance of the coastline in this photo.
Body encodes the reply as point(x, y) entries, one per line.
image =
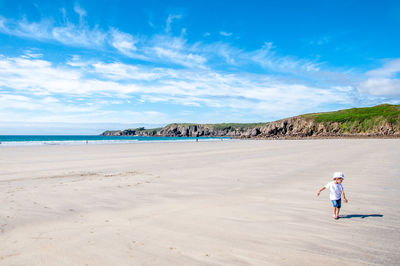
point(381, 120)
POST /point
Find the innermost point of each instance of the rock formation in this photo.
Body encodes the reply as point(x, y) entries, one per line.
point(352, 125)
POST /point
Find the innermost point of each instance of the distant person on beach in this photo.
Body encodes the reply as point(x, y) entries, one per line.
point(336, 193)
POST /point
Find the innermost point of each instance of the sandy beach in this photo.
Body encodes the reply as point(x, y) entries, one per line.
point(207, 203)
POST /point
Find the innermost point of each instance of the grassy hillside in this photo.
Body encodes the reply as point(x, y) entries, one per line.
point(363, 119)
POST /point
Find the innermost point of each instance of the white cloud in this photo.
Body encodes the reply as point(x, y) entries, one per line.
point(76, 61)
point(231, 55)
point(45, 30)
point(123, 42)
point(226, 34)
point(48, 104)
point(30, 53)
point(40, 30)
point(321, 40)
point(81, 12)
point(170, 19)
point(267, 58)
point(119, 71)
point(175, 50)
point(79, 36)
point(382, 81)
point(175, 56)
point(381, 87)
point(389, 69)
point(50, 100)
point(3, 27)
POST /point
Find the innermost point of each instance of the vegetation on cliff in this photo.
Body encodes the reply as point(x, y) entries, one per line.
point(360, 119)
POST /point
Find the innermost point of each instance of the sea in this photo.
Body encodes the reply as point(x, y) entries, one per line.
point(29, 140)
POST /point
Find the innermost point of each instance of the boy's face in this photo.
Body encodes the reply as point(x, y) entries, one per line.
point(338, 180)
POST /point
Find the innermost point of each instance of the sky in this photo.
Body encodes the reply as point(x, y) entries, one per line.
point(81, 67)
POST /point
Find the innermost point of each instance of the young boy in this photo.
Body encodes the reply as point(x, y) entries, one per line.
point(336, 192)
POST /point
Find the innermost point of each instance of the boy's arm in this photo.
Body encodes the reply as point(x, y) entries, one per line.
point(344, 196)
point(319, 191)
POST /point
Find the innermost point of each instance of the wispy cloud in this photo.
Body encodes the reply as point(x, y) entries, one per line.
point(381, 87)
point(170, 20)
point(382, 81)
point(267, 58)
point(119, 71)
point(123, 42)
point(32, 53)
point(322, 40)
point(81, 12)
point(389, 69)
point(226, 34)
point(45, 30)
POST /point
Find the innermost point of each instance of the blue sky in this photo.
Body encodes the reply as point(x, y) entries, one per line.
point(84, 66)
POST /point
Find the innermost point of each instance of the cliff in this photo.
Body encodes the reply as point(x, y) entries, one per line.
point(379, 121)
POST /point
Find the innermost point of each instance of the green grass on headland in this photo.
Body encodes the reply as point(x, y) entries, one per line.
point(362, 119)
point(387, 111)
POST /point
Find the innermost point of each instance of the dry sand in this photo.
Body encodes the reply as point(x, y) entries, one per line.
point(206, 203)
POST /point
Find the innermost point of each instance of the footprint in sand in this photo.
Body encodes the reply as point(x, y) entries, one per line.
point(2, 228)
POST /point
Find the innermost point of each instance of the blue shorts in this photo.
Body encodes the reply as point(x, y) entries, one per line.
point(337, 203)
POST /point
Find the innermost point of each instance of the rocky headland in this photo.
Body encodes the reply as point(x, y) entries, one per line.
point(378, 121)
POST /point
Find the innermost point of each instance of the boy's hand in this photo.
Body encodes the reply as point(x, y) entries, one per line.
point(318, 193)
point(345, 200)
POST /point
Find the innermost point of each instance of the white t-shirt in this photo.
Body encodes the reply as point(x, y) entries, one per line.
point(335, 189)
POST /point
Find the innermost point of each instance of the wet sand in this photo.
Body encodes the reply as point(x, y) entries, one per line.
point(206, 203)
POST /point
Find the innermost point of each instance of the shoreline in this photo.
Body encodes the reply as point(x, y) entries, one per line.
point(175, 140)
point(105, 141)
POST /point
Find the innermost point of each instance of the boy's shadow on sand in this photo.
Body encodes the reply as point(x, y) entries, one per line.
point(362, 216)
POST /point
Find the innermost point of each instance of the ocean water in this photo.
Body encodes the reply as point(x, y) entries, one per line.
point(22, 140)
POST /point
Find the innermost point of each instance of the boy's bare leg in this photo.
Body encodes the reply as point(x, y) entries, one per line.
point(337, 212)
point(334, 212)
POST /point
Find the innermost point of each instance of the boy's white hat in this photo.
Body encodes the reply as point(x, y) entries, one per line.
point(338, 175)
